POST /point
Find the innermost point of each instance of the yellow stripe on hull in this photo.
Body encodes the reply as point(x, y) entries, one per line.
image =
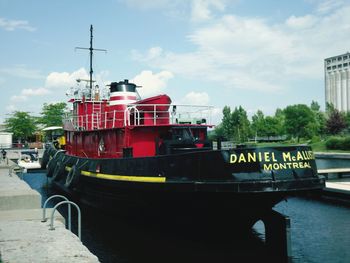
point(126, 178)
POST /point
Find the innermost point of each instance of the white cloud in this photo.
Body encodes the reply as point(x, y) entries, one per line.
point(22, 71)
point(26, 93)
point(11, 108)
point(202, 9)
point(256, 54)
point(11, 25)
point(18, 98)
point(301, 22)
point(65, 79)
point(196, 98)
point(35, 92)
point(152, 53)
point(152, 84)
point(197, 10)
point(154, 4)
point(326, 6)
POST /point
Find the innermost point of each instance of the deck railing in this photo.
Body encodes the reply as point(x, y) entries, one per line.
point(141, 115)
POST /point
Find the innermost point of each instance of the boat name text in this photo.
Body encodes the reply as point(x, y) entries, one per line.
point(275, 160)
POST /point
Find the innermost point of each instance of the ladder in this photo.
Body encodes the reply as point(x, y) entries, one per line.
point(96, 115)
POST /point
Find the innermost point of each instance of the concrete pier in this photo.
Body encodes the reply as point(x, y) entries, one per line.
point(277, 234)
point(341, 185)
point(23, 237)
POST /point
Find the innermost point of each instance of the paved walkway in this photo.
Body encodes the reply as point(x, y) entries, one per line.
point(23, 237)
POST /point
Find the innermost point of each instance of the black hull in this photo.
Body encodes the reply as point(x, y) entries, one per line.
point(203, 184)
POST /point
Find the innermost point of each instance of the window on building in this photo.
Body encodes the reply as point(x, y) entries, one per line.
point(334, 67)
point(333, 59)
point(345, 64)
point(345, 57)
point(328, 61)
point(340, 65)
point(339, 58)
point(329, 68)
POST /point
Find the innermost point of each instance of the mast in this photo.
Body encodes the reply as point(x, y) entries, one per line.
point(91, 53)
point(91, 49)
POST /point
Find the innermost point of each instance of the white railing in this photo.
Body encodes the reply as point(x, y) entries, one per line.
point(142, 115)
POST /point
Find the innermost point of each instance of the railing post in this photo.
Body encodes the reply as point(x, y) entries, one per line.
point(126, 117)
point(154, 115)
point(79, 216)
point(69, 209)
point(113, 118)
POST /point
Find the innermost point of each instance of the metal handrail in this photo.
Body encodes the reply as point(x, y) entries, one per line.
point(79, 215)
point(13, 167)
point(100, 119)
point(69, 210)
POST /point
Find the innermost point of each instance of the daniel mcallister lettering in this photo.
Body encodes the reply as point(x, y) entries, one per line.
point(275, 160)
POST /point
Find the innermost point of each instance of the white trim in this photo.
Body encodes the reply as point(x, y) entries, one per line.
point(122, 93)
point(121, 102)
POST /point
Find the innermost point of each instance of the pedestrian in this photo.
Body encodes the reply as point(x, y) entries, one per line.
point(3, 152)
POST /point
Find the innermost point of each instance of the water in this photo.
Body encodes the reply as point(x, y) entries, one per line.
point(319, 232)
point(332, 163)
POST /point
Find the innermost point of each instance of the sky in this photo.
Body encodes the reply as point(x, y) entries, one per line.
point(262, 55)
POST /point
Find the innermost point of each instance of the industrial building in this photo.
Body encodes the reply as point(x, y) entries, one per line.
point(337, 81)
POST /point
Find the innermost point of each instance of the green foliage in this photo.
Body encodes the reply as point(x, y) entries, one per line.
point(218, 132)
point(52, 114)
point(300, 121)
point(235, 124)
point(266, 126)
point(338, 143)
point(21, 124)
point(320, 118)
point(315, 106)
point(259, 124)
point(336, 122)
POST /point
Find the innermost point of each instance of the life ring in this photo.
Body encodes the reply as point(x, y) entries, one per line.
point(72, 177)
point(59, 170)
point(51, 167)
point(52, 164)
point(45, 159)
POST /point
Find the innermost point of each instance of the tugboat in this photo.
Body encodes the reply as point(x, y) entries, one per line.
point(130, 154)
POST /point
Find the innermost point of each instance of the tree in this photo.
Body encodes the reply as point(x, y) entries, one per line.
point(258, 124)
point(52, 114)
point(280, 117)
point(300, 121)
point(227, 125)
point(272, 126)
point(315, 106)
point(267, 126)
point(235, 124)
point(347, 120)
point(319, 117)
point(336, 122)
point(21, 124)
point(217, 133)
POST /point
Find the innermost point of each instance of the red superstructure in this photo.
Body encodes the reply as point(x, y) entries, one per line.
point(123, 126)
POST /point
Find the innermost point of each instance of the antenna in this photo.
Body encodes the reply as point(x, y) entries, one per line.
point(91, 53)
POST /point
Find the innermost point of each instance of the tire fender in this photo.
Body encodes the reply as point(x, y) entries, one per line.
point(72, 177)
